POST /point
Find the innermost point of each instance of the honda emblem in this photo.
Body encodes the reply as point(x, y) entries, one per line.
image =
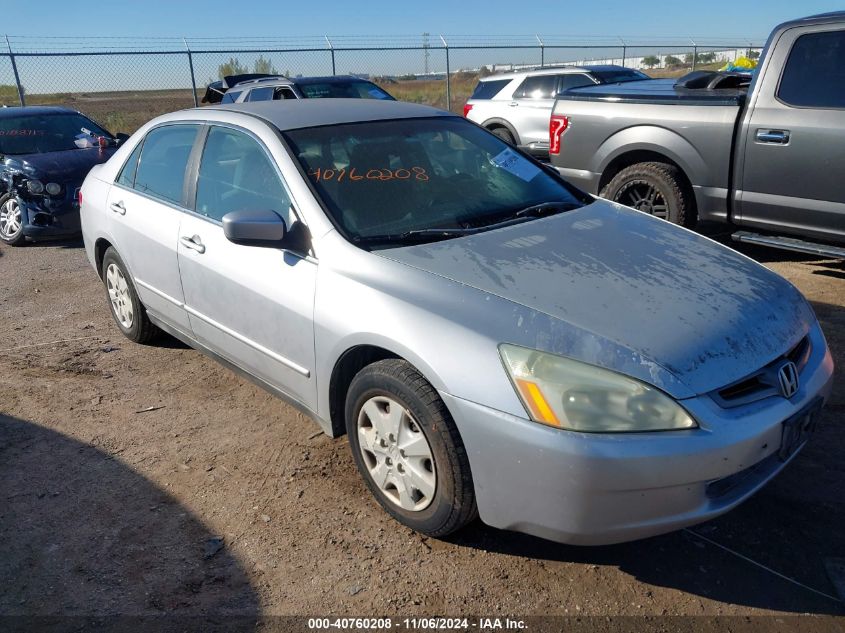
point(788, 379)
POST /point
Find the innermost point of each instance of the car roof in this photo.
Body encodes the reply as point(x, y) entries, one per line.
point(281, 80)
point(11, 111)
point(820, 18)
point(261, 82)
point(292, 114)
point(331, 79)
point(554, 70)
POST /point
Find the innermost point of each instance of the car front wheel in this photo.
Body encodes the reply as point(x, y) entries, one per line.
point(408, 450)
point(126, 308)
point(11, 221)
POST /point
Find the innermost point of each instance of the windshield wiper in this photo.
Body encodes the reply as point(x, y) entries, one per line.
point(415, 236)
point(545, 208)
point(418, 236)
point(528, 213)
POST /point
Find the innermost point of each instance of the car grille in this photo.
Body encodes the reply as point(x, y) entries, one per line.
point(764, 382)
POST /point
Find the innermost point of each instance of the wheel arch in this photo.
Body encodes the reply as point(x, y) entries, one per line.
point(352, 360)
point(100, 248)
point(495, 122)
point(648, 143)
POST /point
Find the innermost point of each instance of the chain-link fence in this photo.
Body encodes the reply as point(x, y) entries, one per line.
point(124, 83)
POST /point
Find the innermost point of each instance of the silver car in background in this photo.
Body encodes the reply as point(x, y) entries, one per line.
point(493, 341)
point(517, 106)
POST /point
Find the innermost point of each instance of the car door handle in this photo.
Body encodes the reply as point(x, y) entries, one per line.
point(776, 137)
point(513, 104)
point(118, 207)
point(194, 243)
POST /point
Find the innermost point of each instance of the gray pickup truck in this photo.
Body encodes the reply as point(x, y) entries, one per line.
point(765, 152)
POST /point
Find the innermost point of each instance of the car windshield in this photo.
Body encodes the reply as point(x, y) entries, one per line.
point(39, 133)
point(343, 90)
point(387, 183)
point(619, 76)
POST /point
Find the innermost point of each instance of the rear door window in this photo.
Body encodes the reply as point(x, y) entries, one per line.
point(164, 157)
point(261, 94)
point(489, 89)
point(814, 75)
point(573, 80)
point(539, 87)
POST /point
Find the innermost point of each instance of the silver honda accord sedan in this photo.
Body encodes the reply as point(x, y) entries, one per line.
point(493, 341)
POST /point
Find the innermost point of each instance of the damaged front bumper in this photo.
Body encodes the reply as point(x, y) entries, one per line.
point(48, 218)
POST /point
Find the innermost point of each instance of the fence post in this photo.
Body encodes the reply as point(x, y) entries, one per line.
point(542, 52)
point(331, 50)
point(15, 71)
point(624, 51)
point(694, 53)
point(193, 79)
point(448, 77)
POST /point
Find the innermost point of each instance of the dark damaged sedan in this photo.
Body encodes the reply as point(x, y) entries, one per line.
point(45, 154)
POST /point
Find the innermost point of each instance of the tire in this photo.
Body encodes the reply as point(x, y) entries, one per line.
point(504, 134)
point(126, 308)
point(11, 221)
point(439, 497)
point(672, 200)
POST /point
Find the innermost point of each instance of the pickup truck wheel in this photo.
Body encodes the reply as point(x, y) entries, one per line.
point(653, 188)
point(408, 450)
point(126, 308)
point(11, 221)
point(504, 134)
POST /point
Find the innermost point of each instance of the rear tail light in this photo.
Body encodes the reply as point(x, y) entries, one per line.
point(79, 197)
point(467, 108)
point(558, 124)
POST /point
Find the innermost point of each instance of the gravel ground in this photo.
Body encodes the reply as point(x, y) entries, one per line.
point(150, 480)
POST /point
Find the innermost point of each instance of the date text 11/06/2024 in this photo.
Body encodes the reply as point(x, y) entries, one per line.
point(417, 624)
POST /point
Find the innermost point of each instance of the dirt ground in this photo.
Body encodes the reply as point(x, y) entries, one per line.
point(120, 466)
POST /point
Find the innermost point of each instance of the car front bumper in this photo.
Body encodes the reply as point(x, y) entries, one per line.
point(50, 219)
point(595, 489)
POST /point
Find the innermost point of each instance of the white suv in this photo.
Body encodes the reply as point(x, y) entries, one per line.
point(517, 106)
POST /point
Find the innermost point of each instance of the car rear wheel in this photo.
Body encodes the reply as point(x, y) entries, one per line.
point(11, 221)
point(654, 188)
point(504, 134)
point(126, 308)
point(408, 450)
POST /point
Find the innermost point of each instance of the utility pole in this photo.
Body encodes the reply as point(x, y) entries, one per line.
point(426, 52)
point(15, 72)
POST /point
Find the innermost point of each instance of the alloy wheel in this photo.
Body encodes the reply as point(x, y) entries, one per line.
point(11, 222)
point(121, 302)
point(643, 196)
point(396, 453)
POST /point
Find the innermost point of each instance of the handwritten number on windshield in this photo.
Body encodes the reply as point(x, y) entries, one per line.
point(338, 175)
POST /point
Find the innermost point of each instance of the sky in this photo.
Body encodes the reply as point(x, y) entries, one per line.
point(214, 18)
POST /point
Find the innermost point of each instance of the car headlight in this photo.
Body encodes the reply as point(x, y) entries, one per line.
point(576, 396)
point(53, 188)
point(34, 186)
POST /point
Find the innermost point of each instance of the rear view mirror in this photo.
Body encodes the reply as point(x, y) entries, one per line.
point(254, 228)
point(121, 137)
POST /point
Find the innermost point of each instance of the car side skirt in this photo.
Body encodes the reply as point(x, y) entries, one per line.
point(191, 342)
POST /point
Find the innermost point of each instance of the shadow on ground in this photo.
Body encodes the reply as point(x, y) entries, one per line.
point(70, 510)
point(792, 527)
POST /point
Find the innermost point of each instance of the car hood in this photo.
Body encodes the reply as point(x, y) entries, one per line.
point(70, 166)
point(635, 287)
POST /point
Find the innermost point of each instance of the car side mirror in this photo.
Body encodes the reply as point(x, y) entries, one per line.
point(254, 228)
